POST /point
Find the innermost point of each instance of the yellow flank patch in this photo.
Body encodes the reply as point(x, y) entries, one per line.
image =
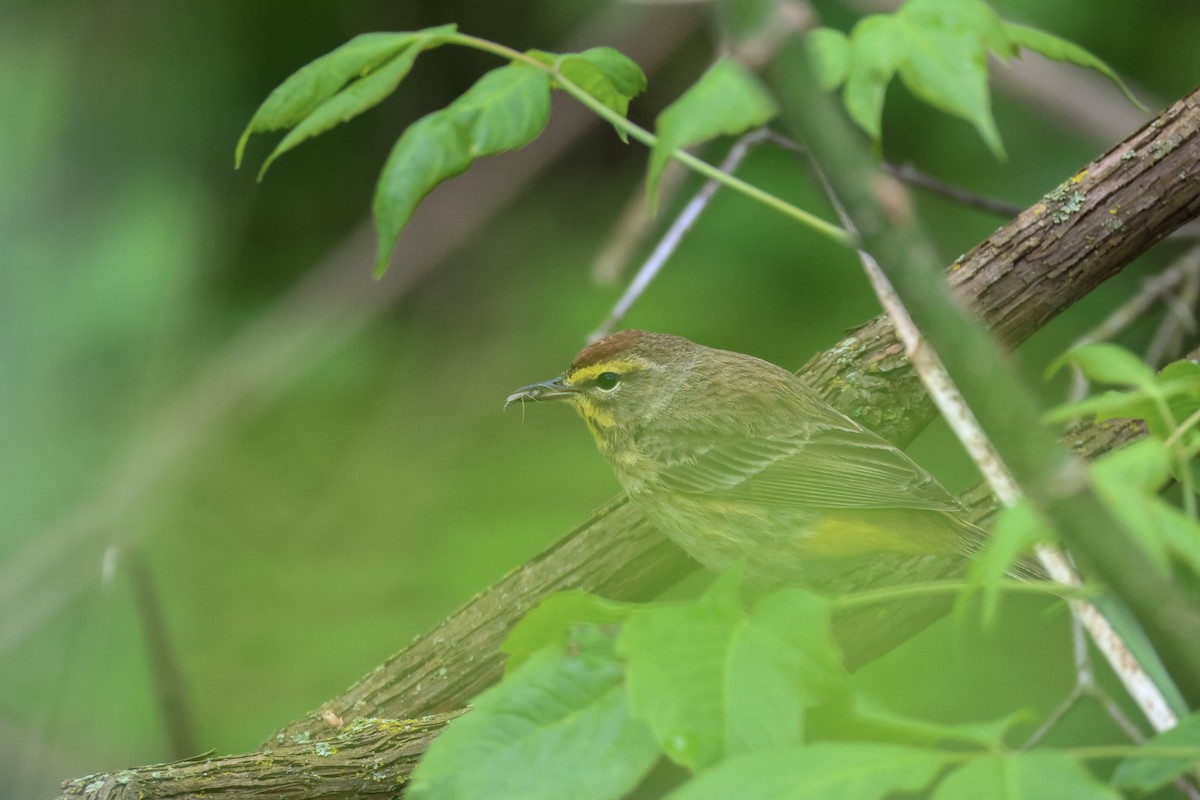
point(618, 365)
point(855, 532)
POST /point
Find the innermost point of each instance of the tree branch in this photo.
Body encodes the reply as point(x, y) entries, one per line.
point(1017, 280)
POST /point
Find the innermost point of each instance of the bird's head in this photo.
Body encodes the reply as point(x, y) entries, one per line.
point(619, 381)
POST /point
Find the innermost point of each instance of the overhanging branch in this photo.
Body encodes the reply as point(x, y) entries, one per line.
point(1020, 277)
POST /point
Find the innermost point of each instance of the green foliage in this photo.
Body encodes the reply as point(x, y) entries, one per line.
point(755, 703)
point(601, 72)
point(338, 86)
point(714, 681)
point(1022, 776)
point(552, 620)
point(505, 109)
point(557, 727)
point(726, 100)
point(1147, 772)
point(940, 50)
point(858, 771)
point(1169, 403)
point(1015, 531)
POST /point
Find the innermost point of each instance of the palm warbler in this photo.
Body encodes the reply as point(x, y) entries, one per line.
point(733, 457)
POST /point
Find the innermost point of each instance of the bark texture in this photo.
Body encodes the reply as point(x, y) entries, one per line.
point(1019, 278)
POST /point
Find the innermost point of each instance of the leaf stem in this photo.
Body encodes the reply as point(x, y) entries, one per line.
point(823, 227)
point(889, 593)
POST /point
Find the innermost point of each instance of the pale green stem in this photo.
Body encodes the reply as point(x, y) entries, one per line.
point(889, 593)
point(823, 227)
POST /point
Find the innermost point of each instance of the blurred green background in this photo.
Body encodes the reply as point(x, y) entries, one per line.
point(198, 371)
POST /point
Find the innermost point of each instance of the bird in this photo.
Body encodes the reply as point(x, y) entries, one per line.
point(736, 459)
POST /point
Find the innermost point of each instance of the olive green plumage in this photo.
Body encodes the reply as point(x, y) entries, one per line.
point(731, 456)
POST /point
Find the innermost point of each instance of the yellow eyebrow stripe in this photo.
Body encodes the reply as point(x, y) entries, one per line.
point(585, 374)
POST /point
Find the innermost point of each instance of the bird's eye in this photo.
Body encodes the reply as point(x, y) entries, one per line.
point(608, 381)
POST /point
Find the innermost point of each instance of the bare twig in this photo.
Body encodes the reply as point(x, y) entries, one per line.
point(674, 235)
point(1085, 686)
point(1154, 290)
point(909, 174)
point(1179, 320)
point(627, 234)
point(958, 414)
point(170, 687)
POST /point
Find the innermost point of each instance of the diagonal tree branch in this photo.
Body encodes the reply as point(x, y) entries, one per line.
point(1019, 278)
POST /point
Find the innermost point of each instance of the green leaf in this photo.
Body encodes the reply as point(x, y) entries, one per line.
point(1056, 49)
point(829, 52)
point(1149, 773)
point(593, 80)
point(866, 718)
point(1016, 530)
point(554, 617)
point(505, 109)
point(875, 55)
point(310, 86)
point(557, 727)
point(624, 73)
point(362, 94)
point(604, 73)
point(727, 100)
point(1034, 775)
point(1127, 482)
point(1108, 363)
point(714, 681)
point(858, 771)
point(940, 50)
point(945, 65)
point(1110, 405)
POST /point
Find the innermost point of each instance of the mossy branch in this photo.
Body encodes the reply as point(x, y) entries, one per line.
point(1018, 279)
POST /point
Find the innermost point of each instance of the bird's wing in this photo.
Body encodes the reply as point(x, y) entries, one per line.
point(833, 464)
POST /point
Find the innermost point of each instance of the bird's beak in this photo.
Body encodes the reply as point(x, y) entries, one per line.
point(553, 389)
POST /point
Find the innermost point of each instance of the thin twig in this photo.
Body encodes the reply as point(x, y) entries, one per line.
point(961, 419)
point(1085, 686)
point(1152, 292)
point(1179, 320)
point(170, 687)
point(909, 174)
point(670, 240)
point(674, 235)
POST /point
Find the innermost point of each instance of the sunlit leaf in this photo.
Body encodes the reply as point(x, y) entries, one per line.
point(310, 86)
point(713, 680)
point(557, 727)
point(829, 52)
point(940, 49)
point(845, 771)
point(593, 80)
point(727, 100)
point(626, 76)
point(362, 94)
point(1034, 775)
point(554, 617)
point(875, 55)
point(504, 110)
point(1058, 49)
point(1110, 364)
